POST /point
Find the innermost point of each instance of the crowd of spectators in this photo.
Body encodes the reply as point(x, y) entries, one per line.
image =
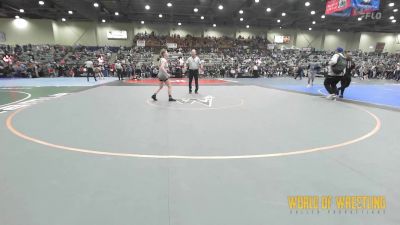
point(222, 57)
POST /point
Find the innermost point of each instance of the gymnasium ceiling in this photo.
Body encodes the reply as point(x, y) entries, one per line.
point(254, 14)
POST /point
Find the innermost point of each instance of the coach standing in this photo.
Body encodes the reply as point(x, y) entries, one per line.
point(193, 63)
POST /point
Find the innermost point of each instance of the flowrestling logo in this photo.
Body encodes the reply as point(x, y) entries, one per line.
point(372, 16)
point(206, 101)
point(31, 102)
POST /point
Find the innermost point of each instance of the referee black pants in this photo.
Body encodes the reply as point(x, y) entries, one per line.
point(194, 74)
point(120, 75)
point(344, 83)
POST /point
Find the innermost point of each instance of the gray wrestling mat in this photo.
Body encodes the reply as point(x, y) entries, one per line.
point(230, 155)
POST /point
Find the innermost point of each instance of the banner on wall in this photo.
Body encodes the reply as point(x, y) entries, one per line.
point(344, 13)
point(117, 34)
point(278, 39)
point(172, 45)
point(271, 46)
point(141, 43)
point(307, 49)
point(372, 5)
point(335, 6)
point(351, 7)
point(358, 12)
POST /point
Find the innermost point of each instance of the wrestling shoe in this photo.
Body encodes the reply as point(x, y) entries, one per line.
point(331, 96)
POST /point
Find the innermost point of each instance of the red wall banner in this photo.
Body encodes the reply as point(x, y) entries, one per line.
point(333, 6)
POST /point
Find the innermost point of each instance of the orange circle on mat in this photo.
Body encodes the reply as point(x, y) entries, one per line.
point(9, 124)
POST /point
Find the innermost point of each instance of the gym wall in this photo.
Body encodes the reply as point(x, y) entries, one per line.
point(94, 34)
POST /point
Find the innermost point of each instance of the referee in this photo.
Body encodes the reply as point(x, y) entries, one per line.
point(89, 70)
point(193, 63)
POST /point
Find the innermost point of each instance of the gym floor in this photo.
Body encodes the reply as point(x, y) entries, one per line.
point(104, 153)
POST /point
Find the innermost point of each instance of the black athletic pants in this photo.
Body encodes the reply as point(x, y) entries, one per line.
point(120, 75)
point(90, 72)
point(194, 74)
point(330, 84)
point(344, 83)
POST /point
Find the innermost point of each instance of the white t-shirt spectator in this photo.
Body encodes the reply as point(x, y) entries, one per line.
point(101, 60)
point(181, 62)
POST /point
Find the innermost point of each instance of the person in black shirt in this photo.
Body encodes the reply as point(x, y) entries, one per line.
point(346, 79)
point(222, 71)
